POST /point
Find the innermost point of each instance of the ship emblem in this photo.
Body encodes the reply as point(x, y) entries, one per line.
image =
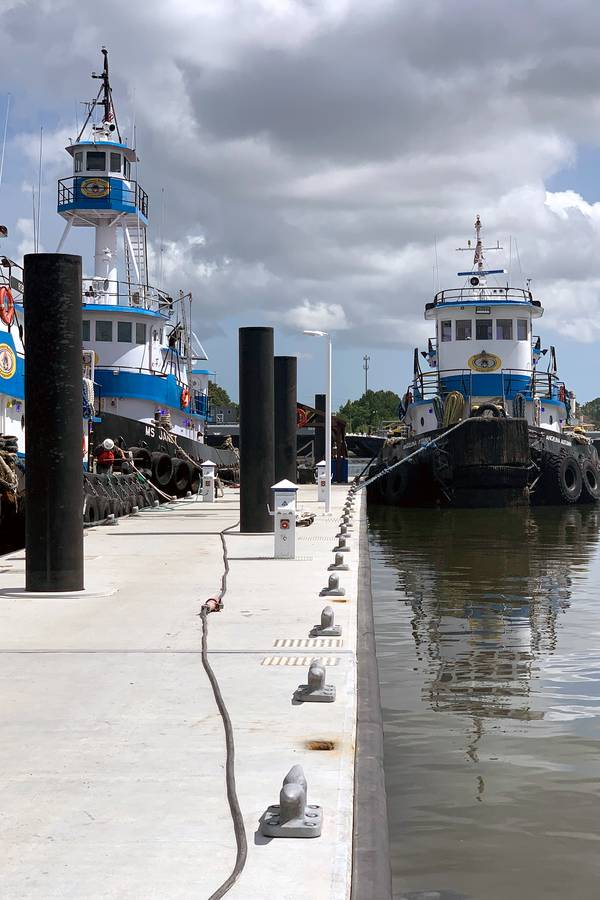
point(8, 361)
point(95, 187)
point(484, 362)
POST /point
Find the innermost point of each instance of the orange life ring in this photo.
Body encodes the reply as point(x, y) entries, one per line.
point(301, 418)
point(7, 306)
point(185, 398)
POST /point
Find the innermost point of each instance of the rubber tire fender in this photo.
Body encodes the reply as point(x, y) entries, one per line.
point(90, 509)
point(590, 475)
point(103, 508)
point(396, 485)
point(564, 479)
point(161, 469)
point(487, 407)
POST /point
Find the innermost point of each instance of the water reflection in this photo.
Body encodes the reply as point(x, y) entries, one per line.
point(485, 625)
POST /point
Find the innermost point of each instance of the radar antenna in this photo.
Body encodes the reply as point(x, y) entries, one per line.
point(478, 255)
point(104, 99)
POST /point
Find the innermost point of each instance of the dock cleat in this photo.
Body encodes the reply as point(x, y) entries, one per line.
point(327, 628)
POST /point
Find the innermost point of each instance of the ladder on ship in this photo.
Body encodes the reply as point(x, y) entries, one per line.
point(136, 255)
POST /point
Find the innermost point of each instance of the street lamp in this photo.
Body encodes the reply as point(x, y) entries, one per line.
point(327, 416)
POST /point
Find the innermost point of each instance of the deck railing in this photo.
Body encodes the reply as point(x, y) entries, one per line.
point(484, 294)
point(533, 385)
point(122, 293)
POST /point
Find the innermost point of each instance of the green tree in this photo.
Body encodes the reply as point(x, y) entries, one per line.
point(591, 409)
point(218, 396)
point(370, 410)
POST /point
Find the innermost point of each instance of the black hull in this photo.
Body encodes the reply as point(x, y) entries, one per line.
point(489, 463)
point(129, 433)
point(364, 445)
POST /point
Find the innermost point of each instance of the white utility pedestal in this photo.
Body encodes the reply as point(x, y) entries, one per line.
point(284, 503)
point(322, 481)
point(208, 482)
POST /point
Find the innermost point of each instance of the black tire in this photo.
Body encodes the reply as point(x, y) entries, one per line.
point(103, 508)
point(142, 458)
point(161, 469)
point(195, 480)
point(180, 477)
point(487, 408)
point(90, 509)
point(396, 485)
point(562, 481)
point(590, 477)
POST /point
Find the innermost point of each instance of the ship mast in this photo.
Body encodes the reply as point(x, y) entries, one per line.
point(103, 98)
point(478, 256)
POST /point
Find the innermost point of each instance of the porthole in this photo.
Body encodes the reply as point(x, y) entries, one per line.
point(551, 420)
point(422, 421)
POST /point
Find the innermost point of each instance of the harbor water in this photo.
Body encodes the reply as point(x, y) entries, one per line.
point(488, 640)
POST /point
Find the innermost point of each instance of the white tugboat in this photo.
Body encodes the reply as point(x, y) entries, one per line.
point(489, 374)
point(146, 375)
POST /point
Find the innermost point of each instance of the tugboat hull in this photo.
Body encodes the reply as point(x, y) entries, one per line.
point(488, 463)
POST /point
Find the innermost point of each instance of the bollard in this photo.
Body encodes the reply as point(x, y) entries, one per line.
point(155, 504)
point(256, 372)
point(208, 481)
point(342, 546)
point(327, 628)
point(284, 503)
point(322, 481)
point(338, 565)
point(345, 530)
point(53, 424)
point(135, 510)
point(333, 588)
point(315, 691)
point(293, 817)
point(285, 417)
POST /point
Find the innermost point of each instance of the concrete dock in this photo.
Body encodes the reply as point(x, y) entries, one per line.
point(112, 757)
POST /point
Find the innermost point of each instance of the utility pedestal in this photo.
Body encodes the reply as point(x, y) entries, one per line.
point(208, 481)
point(322, 481)
point(284, 511)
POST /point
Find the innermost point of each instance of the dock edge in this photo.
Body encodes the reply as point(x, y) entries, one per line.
point(371, 868)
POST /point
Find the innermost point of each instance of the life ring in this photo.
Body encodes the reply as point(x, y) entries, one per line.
point(301, 418)
point(7, 306)
point(185, 398)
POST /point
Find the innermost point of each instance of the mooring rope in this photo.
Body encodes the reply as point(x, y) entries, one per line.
point(433, 443)
point(234, 807)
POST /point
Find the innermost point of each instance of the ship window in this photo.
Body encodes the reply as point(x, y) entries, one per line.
point(85, 330)
point(483, 329)
point(446, 331)
point(463, 329)
point(124, 331)
point(115, 162)
point(522, 329)
point(504, 329)
point(78, 162)
point(96, 161)
point(103, 331)
point(140, 332)
point(127, 168)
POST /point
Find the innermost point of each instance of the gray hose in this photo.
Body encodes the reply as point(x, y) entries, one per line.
point(234, 806)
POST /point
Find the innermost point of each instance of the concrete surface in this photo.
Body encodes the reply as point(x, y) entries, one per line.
point(112, 754)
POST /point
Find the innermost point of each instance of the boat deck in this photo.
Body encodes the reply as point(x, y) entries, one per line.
point(113, 751)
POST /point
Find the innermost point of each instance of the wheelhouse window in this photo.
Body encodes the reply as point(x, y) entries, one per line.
point(504, 329)
point(127, 169)
point(78, 162)
point(483, 329)
point(96, 161)
point(463, 329)
point(124, 332)
point(446, 329)
point(115, 162)
point(140, 332)
point(85, 330)
point(103, 331)
point(522, 329)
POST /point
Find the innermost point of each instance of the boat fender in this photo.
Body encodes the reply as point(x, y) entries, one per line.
point(7, 306)
point(487, 410)
point(590, 491)
point(185, 398)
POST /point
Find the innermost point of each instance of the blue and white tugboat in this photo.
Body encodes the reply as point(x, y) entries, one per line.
point(145, 378)
point(492, 421)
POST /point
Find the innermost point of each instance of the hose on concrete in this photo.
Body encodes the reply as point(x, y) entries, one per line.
point(213, 605)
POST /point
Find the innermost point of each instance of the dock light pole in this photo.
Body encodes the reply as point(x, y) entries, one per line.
point(325, 334)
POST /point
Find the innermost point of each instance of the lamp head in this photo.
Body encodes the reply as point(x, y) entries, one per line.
point(316, 333)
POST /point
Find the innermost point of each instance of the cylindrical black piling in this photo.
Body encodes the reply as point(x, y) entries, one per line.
point(286, 417)
point(320, 428)
point(53, 423)
point(256, 429)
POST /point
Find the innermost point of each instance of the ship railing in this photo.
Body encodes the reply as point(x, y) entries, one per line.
point(485, 294)
point(199, 403)
point(118, 191)
point(427, 385)
point(104, 291)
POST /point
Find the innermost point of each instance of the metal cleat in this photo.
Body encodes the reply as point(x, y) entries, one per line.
point(316, 691)
point(156, 504)
point(134, 511)
point(333, 588)
point(345, 530)
point(293, 817)
point(111, 520)
point(342, 546)
point(327, 628)
point(338, 565)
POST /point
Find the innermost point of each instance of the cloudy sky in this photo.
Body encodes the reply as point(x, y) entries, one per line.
point(304, 159)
